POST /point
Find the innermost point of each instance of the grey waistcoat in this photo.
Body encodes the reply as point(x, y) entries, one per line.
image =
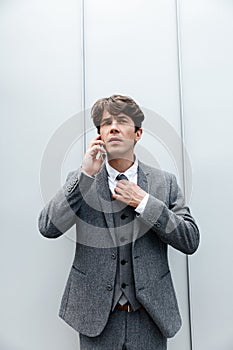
point(124, 289)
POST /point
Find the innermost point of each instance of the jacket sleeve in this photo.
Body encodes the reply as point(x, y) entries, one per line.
point(173, 224)
point(59, 214)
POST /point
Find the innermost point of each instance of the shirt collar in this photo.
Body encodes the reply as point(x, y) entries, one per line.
point(112, 173)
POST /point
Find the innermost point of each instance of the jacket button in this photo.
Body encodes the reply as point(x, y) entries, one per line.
point(123, 216)
point(109, 287)
point(123, 262)
point(69, 188)
point(123, 285)
point(113, 256)
point(157, 224)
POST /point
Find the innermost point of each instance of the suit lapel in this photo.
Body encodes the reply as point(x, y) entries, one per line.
point(105, 200)
point(143, 183)
point(143, 177)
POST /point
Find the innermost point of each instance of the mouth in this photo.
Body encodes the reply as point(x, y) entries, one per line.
point(114, 140)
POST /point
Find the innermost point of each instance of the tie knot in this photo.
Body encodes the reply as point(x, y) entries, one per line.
point(121, 177)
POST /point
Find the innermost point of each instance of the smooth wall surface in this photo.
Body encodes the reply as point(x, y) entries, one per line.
point(57, 58)
point(207, 56)
point(40, 89)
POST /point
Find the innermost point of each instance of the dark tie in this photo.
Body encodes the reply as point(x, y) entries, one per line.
point(121, 177)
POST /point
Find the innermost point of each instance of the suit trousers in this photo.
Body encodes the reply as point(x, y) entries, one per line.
point(126, 331)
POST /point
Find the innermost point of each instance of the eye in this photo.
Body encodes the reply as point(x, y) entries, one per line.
point(122, 120)
point(106, 122)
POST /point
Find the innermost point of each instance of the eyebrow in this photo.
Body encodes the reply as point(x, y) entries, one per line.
point(116, 116)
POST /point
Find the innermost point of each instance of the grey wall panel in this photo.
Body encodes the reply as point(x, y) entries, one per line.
point(131, 48)
point(40, 89)
point(207, 56)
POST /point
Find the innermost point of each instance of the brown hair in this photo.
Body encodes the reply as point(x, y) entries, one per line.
point(115, 105)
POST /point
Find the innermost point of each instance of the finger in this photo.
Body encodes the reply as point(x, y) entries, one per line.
point(97, 142)
point(95, 149)
point(123, 181)
point(120, 198)
point(124, 184)
point(119, 190)
point(123, 193)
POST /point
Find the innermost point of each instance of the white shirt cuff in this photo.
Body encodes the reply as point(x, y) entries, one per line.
point(84, 172)
point(141, 206)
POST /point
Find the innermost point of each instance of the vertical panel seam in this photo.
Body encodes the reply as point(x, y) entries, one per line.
point(181, 103)
point(83, 63)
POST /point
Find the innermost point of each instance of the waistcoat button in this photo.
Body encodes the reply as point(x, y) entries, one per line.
point(109, 287)
point(123, 216)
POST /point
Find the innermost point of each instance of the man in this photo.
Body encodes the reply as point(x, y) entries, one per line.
point(119, 293)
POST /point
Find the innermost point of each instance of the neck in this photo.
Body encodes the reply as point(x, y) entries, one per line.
point(121, 164)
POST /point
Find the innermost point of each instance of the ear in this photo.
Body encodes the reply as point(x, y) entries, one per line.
point(138, 134)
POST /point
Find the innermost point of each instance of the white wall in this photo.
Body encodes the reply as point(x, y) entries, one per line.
point(207, 56)
point(47, 77)
point(40, 88)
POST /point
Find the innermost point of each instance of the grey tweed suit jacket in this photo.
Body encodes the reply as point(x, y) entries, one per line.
point(166, 220)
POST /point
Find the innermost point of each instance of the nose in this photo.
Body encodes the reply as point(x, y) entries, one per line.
point(114, 127)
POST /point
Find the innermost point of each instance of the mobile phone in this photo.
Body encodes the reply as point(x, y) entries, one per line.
point(100, 154)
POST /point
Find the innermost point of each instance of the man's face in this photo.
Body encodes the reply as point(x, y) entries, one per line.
point(118, 133)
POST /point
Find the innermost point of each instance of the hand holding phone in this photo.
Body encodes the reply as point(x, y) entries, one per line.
point(94, 156)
